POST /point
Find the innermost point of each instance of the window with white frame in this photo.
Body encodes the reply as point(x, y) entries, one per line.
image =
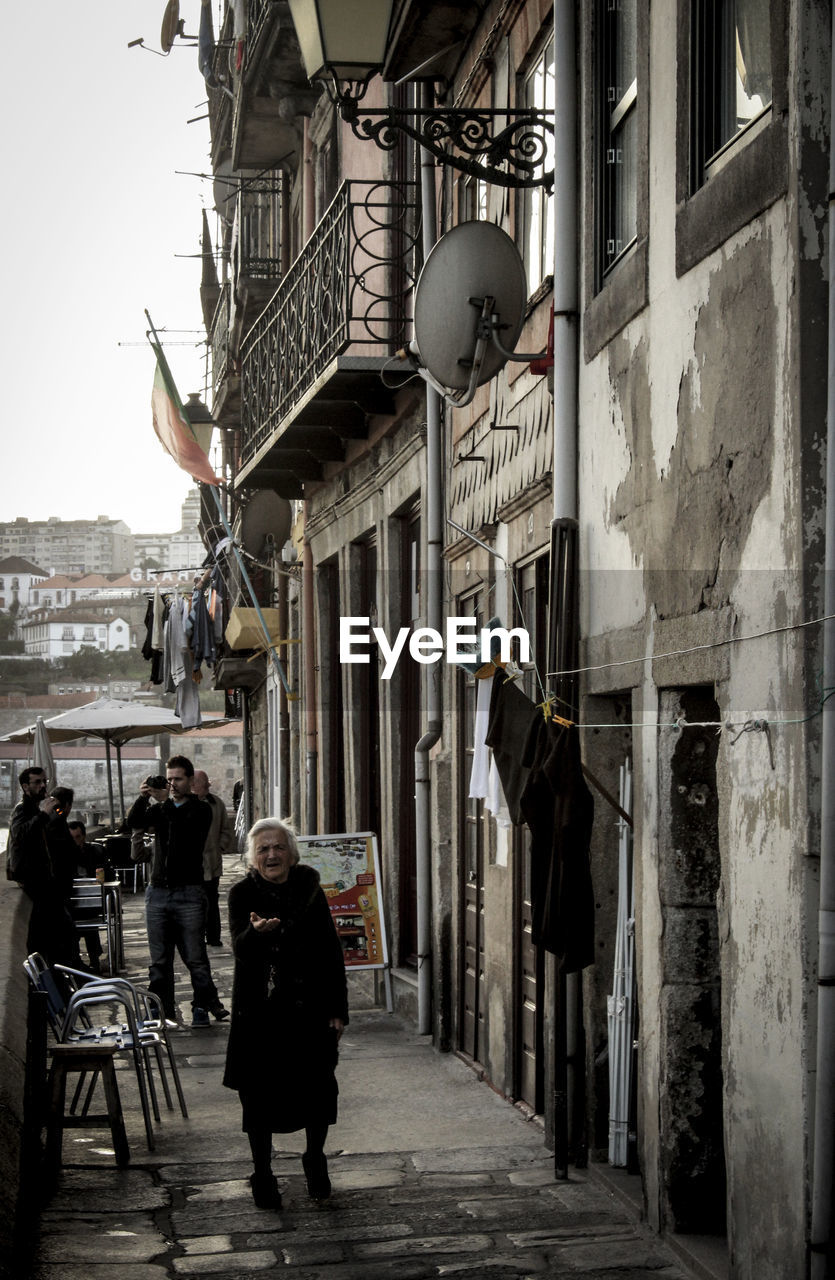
point(731, 79)
point(618, 114)
point(537, 206)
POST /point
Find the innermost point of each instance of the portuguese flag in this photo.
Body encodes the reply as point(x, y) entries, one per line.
point(188, 445)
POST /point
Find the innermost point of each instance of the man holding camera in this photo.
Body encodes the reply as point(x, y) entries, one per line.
point(175, 904)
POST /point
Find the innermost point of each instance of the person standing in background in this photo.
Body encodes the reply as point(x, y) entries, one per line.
point(220, 840)
point(175, 904)
point(33, 835)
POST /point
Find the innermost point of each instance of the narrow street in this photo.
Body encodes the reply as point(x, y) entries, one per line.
point(433, 1175)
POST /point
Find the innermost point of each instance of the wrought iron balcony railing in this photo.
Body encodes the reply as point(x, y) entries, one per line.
point(219, 342)
point(349, 290)
point(257, 252)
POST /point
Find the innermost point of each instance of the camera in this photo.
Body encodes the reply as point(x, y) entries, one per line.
point(156, 782)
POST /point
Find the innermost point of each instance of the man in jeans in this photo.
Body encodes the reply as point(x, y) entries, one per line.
point(175, 904)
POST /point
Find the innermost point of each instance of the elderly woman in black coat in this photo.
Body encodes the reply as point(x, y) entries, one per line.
point(289, 1007)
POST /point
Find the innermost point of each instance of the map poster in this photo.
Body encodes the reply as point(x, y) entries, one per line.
point(349, 870)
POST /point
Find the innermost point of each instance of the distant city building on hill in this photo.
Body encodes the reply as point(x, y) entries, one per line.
point(70, 546)
point(66, 631)
point(180, 552)
point(18, 577)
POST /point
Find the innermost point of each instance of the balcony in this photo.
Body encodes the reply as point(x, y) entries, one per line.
point(272, 91)
point(257, 252)
point(311, 364)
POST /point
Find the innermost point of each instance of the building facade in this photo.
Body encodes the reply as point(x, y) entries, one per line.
point(180, 552)
point(19, 580)
point(70, 546)
point(646, 500)
point(56, 635)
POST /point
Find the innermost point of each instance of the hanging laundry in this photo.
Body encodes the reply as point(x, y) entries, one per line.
point(200, 632)
point(480, 772)
point(179, 666)
point(153, 644)
point(485, 782)
point(559, 810)
point(510, 719)
point(159, 618)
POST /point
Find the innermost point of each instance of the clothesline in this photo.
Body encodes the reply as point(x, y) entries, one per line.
point(697, 648)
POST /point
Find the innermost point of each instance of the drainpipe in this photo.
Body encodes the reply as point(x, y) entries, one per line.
point(308, 578)
point(311, 754)
point(565, 465)
point(822, 1247)
point(432, 579)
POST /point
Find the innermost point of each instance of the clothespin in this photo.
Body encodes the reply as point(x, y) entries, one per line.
point(550, 714)
point(512, 672)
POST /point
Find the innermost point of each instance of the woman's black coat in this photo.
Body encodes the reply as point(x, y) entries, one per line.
point(288, 985)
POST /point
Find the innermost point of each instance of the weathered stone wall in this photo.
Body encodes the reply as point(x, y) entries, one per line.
point(701, 422)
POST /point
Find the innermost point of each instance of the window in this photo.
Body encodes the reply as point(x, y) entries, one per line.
point(472, 200)
point(619, 128)
point(537, 207)
point(731, 80)
point(732, 143)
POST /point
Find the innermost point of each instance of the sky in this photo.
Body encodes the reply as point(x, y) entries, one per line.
point(94, 219)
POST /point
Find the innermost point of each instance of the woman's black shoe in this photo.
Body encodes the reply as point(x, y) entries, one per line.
point(265, 1190)
point(316, 1172)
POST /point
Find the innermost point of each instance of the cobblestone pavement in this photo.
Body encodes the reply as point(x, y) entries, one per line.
point(433, 1175)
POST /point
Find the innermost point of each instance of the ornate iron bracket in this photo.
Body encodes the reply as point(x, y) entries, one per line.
point(514, 157)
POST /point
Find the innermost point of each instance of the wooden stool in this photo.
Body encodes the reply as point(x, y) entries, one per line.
point(97, 1058)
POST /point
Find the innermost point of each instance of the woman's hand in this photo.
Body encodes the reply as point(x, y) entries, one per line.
point(260, 925)
point(338, 1026)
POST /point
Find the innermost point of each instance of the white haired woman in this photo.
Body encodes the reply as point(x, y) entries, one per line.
point(289, 1007)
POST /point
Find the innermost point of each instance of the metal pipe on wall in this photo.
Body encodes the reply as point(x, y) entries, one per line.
point(308, 571)
point(434, 602)
point(311, 755)
point(566, 325)
point(822, 1245)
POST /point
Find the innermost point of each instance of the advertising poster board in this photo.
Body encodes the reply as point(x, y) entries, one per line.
point(349, 870)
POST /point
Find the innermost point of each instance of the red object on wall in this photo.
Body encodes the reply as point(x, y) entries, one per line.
point(547, 361)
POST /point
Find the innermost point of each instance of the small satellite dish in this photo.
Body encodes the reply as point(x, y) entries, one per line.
point(264, 522)
point(170, 24)
point(472, 262)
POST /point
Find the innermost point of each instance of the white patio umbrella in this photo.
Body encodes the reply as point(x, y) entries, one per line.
point(114, 721)
point(42, 757)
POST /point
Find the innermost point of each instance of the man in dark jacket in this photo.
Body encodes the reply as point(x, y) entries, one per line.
point(31, 863)
point(175, 904)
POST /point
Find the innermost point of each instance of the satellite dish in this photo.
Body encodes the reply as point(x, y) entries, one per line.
point(170, 24)
point(264, 522)
point(472, 262)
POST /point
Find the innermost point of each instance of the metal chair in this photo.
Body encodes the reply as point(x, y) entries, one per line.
point(99, 906)
point(69, 1014)
point(149, 1016)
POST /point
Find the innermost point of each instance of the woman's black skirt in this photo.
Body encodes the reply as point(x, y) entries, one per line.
point(289, 1082)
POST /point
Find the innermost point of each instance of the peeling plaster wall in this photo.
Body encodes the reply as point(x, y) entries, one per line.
point(700, 499)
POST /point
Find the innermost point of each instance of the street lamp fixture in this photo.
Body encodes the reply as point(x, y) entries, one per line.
point(344, 43)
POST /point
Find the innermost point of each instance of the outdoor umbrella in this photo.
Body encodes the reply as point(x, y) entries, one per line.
point(42, 752)
point(114, 721)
